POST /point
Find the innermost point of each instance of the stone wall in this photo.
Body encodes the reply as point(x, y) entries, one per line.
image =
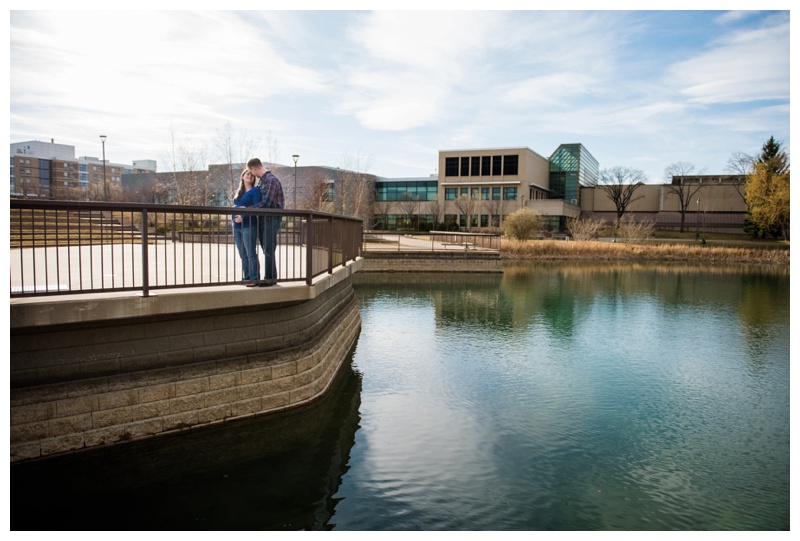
point(132, 378)
point(455, 261)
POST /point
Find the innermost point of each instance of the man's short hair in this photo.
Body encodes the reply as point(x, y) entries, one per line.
point(254, 162)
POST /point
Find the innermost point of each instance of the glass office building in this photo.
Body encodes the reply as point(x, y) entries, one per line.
point(570, 167)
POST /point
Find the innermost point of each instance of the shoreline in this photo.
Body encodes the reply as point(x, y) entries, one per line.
point(544, 250)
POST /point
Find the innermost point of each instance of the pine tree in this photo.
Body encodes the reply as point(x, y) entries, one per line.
point(767, 190)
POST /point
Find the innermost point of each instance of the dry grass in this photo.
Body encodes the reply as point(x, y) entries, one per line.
point(607, 251)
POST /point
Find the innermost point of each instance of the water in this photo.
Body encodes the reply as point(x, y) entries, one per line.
point(553, 397)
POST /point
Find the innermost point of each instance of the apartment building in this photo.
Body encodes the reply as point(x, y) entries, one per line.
point(51, 170)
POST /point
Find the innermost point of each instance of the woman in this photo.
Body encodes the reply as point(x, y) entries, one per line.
point(245, 228)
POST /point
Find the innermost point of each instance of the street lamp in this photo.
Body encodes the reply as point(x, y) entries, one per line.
point(295, 157)
point(697, 221)
point(105, 184)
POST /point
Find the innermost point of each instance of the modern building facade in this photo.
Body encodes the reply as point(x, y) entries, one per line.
point(477, 188)
point(51, 170)
point(480, 187)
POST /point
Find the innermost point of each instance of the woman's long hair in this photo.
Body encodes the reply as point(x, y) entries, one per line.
point(240, 192)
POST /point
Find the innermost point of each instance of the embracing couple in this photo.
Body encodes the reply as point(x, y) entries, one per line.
point(258, 188)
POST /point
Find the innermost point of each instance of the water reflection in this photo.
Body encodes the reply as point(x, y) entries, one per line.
point(265, 473)
point(577, 396)
point(553, 397)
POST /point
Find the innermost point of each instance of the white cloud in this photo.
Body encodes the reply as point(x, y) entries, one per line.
point(412, 66)
point(401, 85)
point(747, 65)
point(150, 66)
point(552, 89)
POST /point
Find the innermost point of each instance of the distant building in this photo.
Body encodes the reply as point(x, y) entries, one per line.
point(51, 170)
point(474, 189)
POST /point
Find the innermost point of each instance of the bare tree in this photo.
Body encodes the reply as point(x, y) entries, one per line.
point(315, 193)
point(273, 150)
point(233, 147)
point(740, 164)
point(467, 206)
point(681, 189)
point(495, 208)
point(382, 209)
point(407, 207)
point(190, 181)
point(620, 184)
point(437, 209)
point(355, 188)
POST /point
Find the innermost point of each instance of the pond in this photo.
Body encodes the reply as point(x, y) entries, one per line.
point(552, 397)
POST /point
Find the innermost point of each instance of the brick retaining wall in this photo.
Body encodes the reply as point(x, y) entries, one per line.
point(136, 378)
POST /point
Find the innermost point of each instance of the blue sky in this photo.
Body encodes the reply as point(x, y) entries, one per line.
point(386, 90)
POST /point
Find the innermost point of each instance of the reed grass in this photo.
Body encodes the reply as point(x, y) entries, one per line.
point(619, 251)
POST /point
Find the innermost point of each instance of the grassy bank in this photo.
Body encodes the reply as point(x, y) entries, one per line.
point(619, 251)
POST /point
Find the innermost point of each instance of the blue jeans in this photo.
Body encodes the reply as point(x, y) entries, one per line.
point(245, 239)
point(268, 227)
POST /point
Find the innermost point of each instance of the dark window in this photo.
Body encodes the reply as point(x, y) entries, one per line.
point(496, 194)
point(464, 192)
point(497, 165)
point(464, 167)
point(509, 193)
point(476, 166)
point(451, 167)
point(485, 194)
point(511, 165)
point(486, 166)
point(451, 194)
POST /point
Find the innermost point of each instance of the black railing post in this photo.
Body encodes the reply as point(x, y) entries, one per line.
point(309, 248)
point(330, 245)
point(145, 256)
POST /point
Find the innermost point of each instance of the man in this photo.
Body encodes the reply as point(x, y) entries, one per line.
point(268, 226)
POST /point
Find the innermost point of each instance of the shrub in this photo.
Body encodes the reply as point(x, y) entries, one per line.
point(522, 224)
point(633, 231)
point(584, 229)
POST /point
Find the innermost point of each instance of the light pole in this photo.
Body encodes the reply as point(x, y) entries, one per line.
point(295, 157)
point(105, 184)
point(697, 221)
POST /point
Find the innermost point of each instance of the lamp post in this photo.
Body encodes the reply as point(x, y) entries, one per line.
point(697, 221)
point(295, 157)
point(105, 184)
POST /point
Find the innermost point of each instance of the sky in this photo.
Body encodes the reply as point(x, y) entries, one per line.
point(384, 91)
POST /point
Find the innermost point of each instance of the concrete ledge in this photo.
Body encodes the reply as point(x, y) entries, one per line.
point(90, 307)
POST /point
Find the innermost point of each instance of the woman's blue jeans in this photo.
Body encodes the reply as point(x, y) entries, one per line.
point(246, 239)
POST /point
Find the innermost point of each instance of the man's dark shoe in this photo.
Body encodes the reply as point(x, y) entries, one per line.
point(251, 284)
point(267, 283)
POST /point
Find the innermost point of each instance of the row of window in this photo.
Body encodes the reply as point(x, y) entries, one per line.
point(395, 222)
point(413, 190)
point(481, 166)
point(484, 193)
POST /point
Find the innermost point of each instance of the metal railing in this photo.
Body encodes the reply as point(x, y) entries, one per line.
point(63, 247)
point(391, 241)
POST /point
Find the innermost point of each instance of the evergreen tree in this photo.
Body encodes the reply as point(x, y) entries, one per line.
point(767, 191)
